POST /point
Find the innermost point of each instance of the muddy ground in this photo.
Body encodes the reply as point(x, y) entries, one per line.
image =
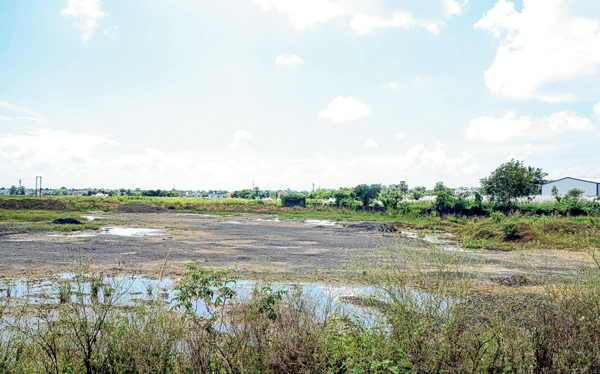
point(246, 242)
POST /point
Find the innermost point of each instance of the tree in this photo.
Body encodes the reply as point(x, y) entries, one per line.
point(418, 192)
point(554, 191)
point(13, 190)
point(366, 193)
point(21, 190)
point(537, 177)
point(439, 186)
point(511, 181)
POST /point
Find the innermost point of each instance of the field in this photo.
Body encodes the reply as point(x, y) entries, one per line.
point(500, 293)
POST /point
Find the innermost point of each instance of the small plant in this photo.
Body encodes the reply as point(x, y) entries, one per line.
point(95, 284)
point(497, 217)
point(510, 230)
point(64, 292)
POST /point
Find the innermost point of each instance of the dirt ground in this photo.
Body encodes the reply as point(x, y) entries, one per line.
point(246, 242)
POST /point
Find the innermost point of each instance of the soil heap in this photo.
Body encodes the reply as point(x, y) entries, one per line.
point(138, 208)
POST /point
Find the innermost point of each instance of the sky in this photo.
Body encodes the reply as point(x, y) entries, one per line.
point(207, 94)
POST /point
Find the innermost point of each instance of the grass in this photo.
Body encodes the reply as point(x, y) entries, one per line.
point(9, 215)
point(429, 321)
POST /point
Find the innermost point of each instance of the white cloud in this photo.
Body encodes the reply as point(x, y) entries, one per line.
point(306, 13)
point(400, 135)
point(28, 114)
point(490, 129)
point(453, 7)
point(497, 130)
point(238, 137)
point(111, 31)
point(597, 111)
point(567, 120)
point(364, 24)
point(548, 53)
point(393, 85)
point(288, 60)
point(369, 144)
point(345, 109)
point(364, 15)
point(81, 160)
point(88, 11)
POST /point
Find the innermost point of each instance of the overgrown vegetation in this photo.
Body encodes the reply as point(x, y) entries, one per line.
point(430, 321)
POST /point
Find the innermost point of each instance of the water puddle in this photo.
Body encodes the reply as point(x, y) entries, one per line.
point(116, 231)
point(321, 222)
point(272, 219)
point(232, 222)
point(440, 241)
point(199, 215)
point(92, 218)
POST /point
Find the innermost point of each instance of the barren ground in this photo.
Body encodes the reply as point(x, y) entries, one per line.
point(291, 249)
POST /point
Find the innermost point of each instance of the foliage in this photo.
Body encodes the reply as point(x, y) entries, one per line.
point(365, 193)
point(512, 180)
point(439, 186)
point(301, 198)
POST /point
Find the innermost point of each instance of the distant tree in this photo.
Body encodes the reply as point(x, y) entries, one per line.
point(418, 192)
point(343, 196)
point(537, 178)
point(391, 198)
point(554, 191)
point(21, 190)
point(366, 193)
point(439, 186)
point(13, 190)
point(444, 202)
point(511, 181)
point(575, 194)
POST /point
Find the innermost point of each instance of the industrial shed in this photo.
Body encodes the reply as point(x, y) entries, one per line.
point(589, 186)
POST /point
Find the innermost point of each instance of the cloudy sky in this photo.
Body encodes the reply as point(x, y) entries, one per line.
point(207, 94)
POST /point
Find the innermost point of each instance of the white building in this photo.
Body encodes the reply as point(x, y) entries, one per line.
point(216, 195)
point(589, 186)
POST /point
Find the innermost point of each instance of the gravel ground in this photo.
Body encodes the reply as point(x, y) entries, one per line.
point(251, 243)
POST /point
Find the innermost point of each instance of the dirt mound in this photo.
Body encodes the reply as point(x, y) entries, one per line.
point(66, 221)
point(138, 208)
point(373, 226)
point(35, 204)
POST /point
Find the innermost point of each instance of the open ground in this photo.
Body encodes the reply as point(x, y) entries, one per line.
point(252, 244)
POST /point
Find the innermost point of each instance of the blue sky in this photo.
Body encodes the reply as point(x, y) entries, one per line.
point(286, 93)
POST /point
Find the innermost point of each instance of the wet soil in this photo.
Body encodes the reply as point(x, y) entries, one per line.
point(252, 244)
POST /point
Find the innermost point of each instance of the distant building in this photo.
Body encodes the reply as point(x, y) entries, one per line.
point(217, 195)
point(5, 191)
point(464, 190)
point(589, 186)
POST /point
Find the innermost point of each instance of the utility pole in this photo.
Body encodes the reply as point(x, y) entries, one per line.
point(313, 188)
point(38, 192)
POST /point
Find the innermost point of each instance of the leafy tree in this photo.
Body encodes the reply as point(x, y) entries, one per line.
point(343, 196)
point(21, 190)
point(511, 181)
point(391, 198)
point(418, 192)
point(554, 191)
point(444, 202)
point(439, 186)
point(537, 177)
point(13, 190)
point(366, 193)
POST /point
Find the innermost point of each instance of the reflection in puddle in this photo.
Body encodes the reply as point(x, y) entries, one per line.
point(129, 231)
point(116, 231)
point(232, 222)
point(440, 242)
point(326, 298)
point(320, 222)
point(273, 219)
point(92, 218)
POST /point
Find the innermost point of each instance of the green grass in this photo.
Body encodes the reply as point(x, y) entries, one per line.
point(7, 215)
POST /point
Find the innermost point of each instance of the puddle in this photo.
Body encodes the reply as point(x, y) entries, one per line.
point(199, 215)
point(437, 240)
point(327, 299)
point(116, 231)
point(232, 222)
point(92, 218)
point(130, 231)
point(320, 222)
point(273, 219)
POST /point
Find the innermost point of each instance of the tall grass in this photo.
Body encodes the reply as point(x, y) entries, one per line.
point(431, 322)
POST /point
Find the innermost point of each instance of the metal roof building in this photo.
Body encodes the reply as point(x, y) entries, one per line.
point(589, 186)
